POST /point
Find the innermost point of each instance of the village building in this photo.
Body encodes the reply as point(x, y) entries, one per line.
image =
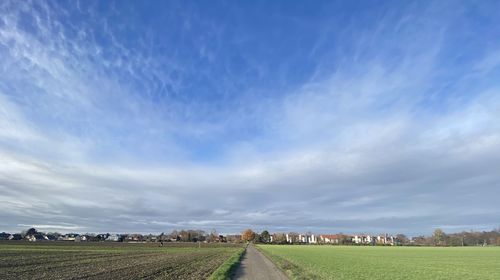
point(331, 238)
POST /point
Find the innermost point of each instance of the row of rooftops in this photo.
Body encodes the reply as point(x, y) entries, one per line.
point(307, 238)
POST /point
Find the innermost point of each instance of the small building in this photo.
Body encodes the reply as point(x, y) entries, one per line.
point(114, 238)
point(362, 239)
point(293, 237)
point(331, 238)
point(68, 237)
point(82, 238)
point(35, 237)
point(133, 238)
point(312, 239)
point(385, 239)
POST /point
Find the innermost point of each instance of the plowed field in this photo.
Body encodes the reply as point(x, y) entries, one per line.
point(57, 260)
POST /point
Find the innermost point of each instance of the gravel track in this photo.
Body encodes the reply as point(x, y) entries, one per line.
point(256, 266)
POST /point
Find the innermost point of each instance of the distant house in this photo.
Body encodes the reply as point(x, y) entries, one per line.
point(36, 237)
point(82, 238)
point(312, 239)
point(133, 238)
point(151, 238)
point(385, 239)
point(362, 239)
point(293, 237)
point(114, 238)
point(307, 238)
point(69, 237)
point(332, 238)
point(300, 238)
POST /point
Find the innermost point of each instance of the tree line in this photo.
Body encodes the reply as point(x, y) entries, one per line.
point(438, 238)
point(464, 238)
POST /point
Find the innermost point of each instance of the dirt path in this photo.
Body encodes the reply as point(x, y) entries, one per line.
point(256, 266)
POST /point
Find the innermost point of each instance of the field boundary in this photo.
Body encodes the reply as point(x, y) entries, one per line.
point(292, 270)
point(224, 272)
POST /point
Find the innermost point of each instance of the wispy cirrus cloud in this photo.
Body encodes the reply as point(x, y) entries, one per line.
point(111, 122)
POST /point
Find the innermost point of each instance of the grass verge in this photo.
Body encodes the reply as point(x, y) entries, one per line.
point(227, 268)
point(292, 270)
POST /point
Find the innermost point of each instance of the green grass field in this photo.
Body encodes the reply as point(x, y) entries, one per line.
point(60, 260)
point(350, 262)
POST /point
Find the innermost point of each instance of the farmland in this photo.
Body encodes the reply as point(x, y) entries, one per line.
point(341, 262)
point(59, 260)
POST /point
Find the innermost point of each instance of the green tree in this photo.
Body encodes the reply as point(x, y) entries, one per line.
point(265, 237)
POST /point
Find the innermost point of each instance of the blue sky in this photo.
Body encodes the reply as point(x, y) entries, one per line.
point(147, 116)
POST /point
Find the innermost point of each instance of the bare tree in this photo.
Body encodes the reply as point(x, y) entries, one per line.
point(439, 237)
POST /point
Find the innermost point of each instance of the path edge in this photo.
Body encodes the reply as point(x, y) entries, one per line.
point(289, 268)
point(227, 269)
